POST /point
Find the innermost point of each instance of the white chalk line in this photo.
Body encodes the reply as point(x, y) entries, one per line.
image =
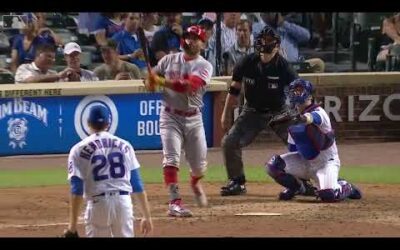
point(34, 225)
point(80, 222)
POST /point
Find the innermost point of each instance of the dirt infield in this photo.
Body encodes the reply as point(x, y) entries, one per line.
point(43, 211)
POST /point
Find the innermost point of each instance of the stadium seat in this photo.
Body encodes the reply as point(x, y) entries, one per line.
point(6, 78)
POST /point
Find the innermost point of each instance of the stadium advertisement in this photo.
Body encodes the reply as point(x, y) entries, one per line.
point(52, 125)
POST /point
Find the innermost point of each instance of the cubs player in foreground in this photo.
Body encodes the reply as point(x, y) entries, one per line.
point(184, 77)
point(104, 169)
point(313, 152)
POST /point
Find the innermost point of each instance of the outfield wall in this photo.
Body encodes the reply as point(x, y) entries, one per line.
point(50, 117)
point(362, 106)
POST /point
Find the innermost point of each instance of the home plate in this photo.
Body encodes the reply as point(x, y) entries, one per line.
point(258, 214)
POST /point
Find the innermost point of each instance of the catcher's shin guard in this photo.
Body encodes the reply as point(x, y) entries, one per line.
point(276, 169)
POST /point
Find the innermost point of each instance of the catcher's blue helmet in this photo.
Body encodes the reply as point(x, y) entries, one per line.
point(299, 91)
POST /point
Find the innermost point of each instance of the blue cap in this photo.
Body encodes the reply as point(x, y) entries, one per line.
point(99, 115)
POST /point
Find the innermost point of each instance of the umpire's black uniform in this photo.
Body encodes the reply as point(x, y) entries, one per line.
point(265, 87)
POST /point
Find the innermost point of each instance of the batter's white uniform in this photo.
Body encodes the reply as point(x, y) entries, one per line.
point(104, 163)
point(181, 122)
point(324, 168)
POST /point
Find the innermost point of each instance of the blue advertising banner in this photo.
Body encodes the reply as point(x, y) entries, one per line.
point(51, 125)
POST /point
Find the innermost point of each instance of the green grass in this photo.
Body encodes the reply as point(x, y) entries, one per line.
point(47, 177)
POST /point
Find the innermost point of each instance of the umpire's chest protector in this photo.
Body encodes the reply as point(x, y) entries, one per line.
point(264, 87)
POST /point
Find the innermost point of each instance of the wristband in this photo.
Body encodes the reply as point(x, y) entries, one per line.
point(160, 80)
point(309, 118)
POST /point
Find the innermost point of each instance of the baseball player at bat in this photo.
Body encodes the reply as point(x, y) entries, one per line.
point(184, 77)
point(313, 152)
point(104, 170)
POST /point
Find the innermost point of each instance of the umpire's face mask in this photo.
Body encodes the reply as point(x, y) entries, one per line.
point(266, 48)
point(265, 45)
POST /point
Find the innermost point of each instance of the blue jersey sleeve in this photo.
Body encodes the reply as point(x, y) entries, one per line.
point(136, 181)
point(317, 120)
point(76, 185)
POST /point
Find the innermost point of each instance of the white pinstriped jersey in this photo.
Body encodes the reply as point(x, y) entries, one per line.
point(104, 162)
point(174, 67)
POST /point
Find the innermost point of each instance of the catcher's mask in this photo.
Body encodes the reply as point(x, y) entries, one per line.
point(299, 91)
point(266, 40)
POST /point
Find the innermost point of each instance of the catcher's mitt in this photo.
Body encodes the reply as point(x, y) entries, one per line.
point(288, 116)
point(70, 234)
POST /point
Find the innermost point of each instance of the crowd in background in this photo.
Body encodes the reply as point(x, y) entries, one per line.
point(90, 46)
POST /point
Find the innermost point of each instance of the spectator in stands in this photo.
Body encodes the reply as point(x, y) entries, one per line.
point(129, 47)
point(390, 28)
point(5, 71)
point(228, 36)
point(168, 38)
point(149, 24)
point(45, 31)
point(39, 70)
point(85, 22)
point(243, 46)
point(106, 25)
point(25, 44)
point(228, 30)
point(210, 15)
point(292, 36)
point(72, 54)
point(113, 67)
point(208, 52)
point(322, 22)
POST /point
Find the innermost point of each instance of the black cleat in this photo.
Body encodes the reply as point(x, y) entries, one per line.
point(355, 193)
point(233, 188)
point(310, 190)
point(287, 194)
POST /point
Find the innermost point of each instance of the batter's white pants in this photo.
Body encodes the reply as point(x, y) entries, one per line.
point(109, 216)
point(187, 133)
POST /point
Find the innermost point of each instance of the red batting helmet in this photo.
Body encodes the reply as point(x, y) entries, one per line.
point(195, 30)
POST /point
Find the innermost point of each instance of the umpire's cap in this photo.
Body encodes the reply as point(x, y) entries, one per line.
point(99, 115)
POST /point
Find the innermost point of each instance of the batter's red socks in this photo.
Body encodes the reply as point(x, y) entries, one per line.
point(170, 175)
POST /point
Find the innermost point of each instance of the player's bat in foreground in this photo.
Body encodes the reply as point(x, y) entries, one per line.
point(145, 47)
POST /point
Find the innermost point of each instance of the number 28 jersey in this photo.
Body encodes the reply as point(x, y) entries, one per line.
point(104, 162)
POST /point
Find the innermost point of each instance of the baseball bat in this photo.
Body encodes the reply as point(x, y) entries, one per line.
point(145, 47)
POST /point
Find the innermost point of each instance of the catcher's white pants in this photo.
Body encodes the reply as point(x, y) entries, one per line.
point(109, 216)
point(324, 171)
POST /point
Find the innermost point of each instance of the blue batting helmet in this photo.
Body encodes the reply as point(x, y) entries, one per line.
point(99, 115)
point(299, 91)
